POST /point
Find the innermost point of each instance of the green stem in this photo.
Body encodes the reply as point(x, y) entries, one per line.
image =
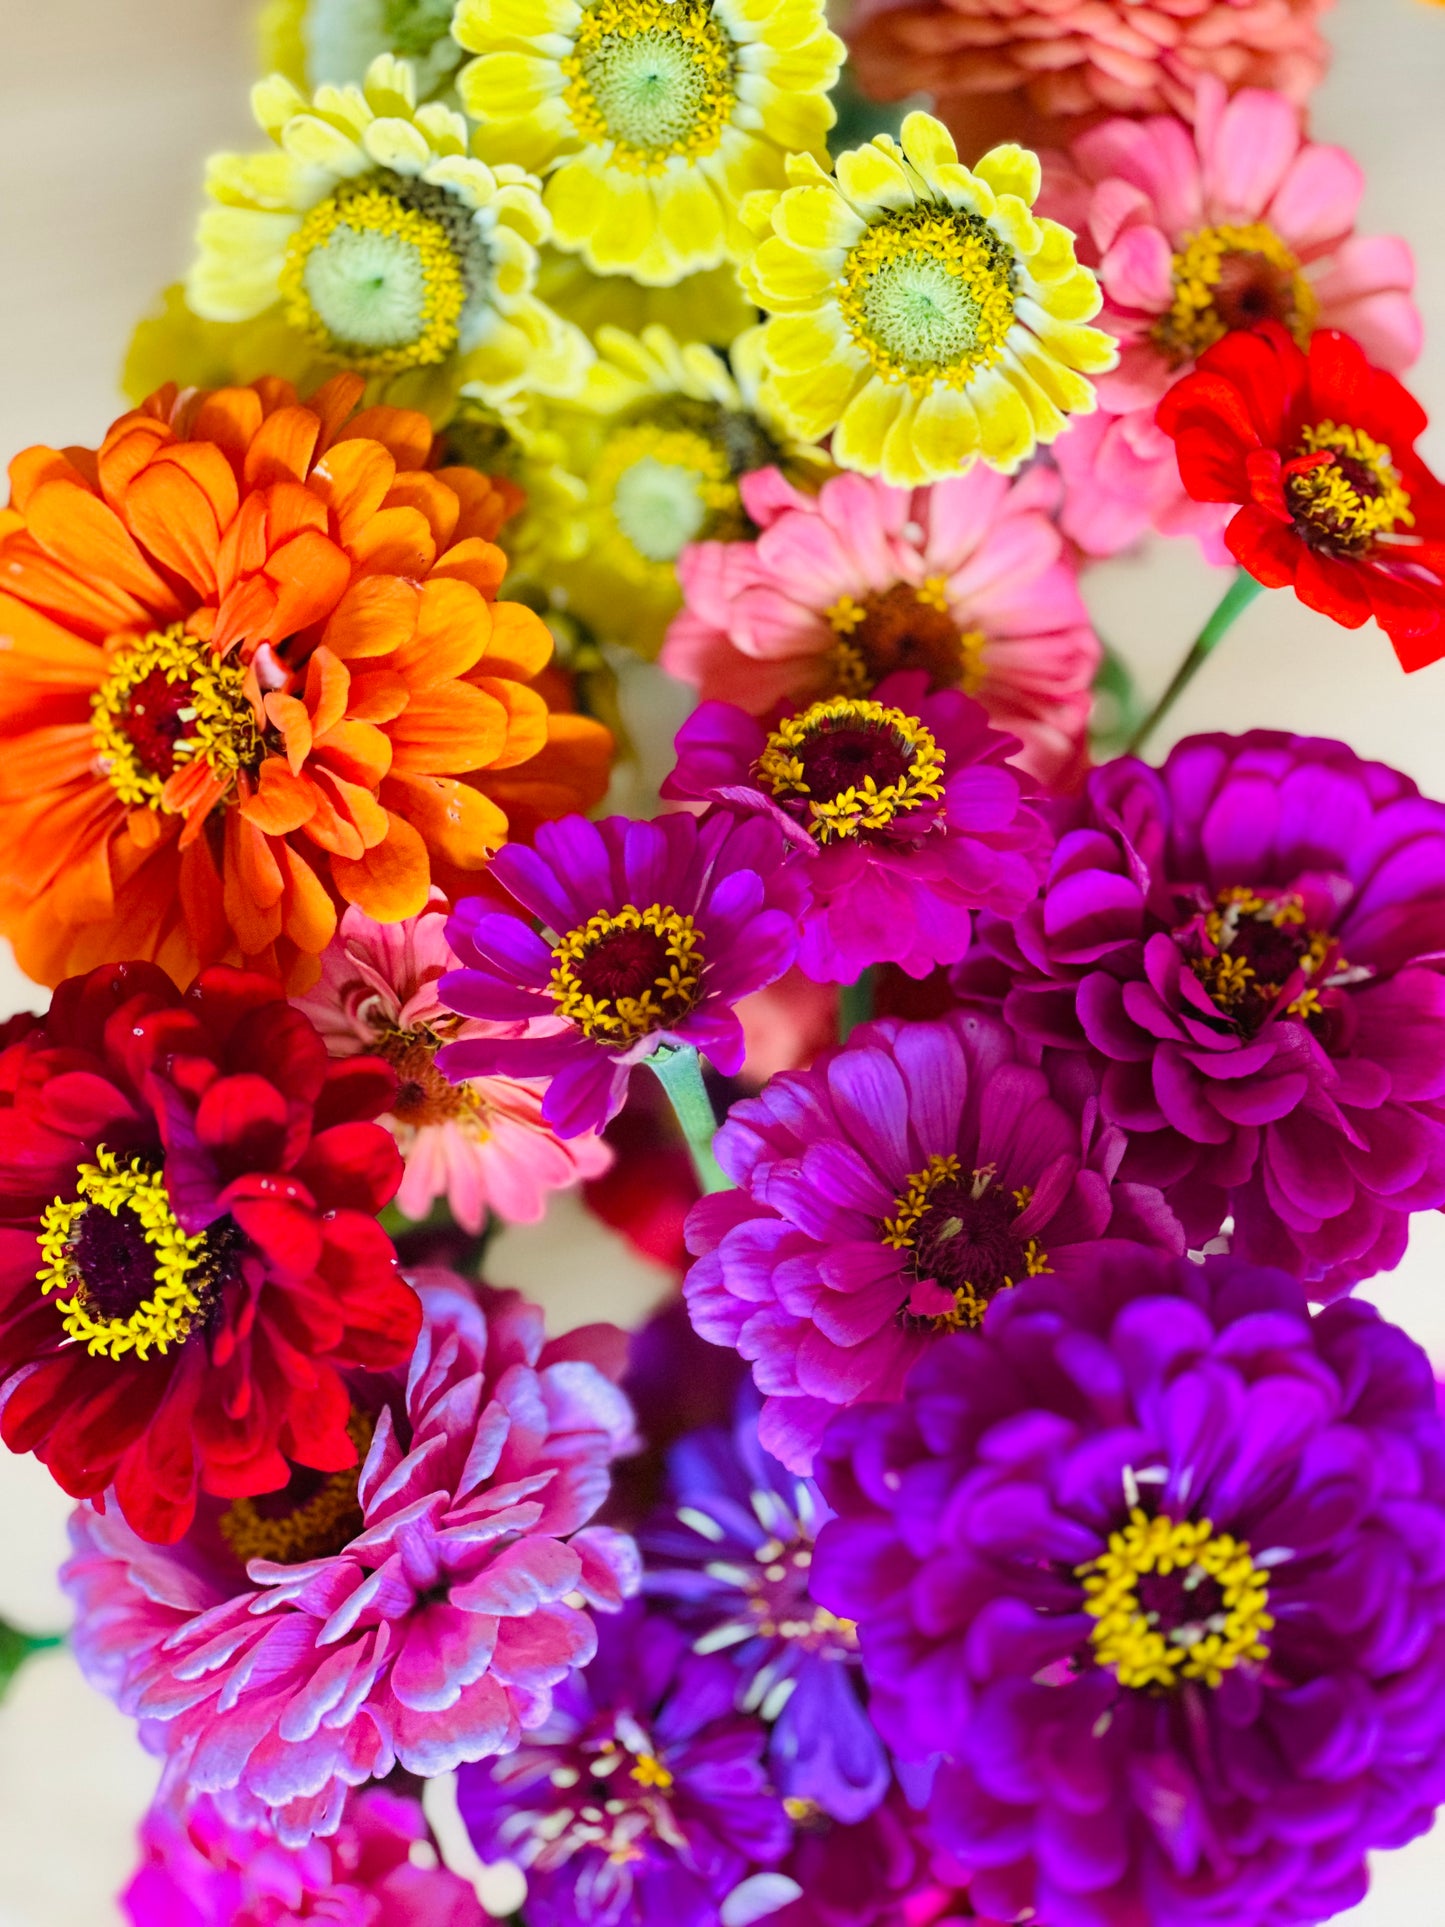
point(680, 1074)
point(855, 1004)
point(17, 1646)
point(1235, 600)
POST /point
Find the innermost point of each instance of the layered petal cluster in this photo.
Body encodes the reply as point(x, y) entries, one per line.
point(650, 934)
point(966, 580)
point(481, 1144)
point(1246, 943)
point(1152, 1567)
point(902, 808)
point(316, 42)
point(188, 1190)
point(421, 1617)
point(1194, 231)
point(886, 1198)
point(256, 670)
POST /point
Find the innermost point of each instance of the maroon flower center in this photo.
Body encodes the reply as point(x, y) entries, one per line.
point(157, 717)
point(962, 1233)
point(1228, 277)
point(625, 974)
point(115, 1261)
point(1343, 490)
point(850, 767)
point(1182, 1605)
point(1257, 958)
point(903, 627)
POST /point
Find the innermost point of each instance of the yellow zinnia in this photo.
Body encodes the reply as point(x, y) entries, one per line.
point(313, 41)
point(709, 306)
point(650, 118)
point(921, 313)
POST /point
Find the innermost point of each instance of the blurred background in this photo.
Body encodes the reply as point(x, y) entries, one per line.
point(106, 113)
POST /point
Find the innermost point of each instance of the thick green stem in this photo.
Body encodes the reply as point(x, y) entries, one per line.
point(17, 1646)
point(855, 1004)
point(1235, 600)
point(680, 1074)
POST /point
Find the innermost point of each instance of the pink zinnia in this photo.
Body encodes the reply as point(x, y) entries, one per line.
point(419, 1616)
point(481, 1144)
point(1195, 231)
point(965, 580)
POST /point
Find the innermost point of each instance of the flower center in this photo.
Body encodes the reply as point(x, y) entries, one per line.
point(779, 1607)
point(850, 768)
point(170, 703)
point(671, 482)
point(1344, 491)
point(1175, 1601)
point(962, 1233)
point(1232, 277)
point(413, 27)
point(903, 627)
point(381, 273)
point(612, 1795)
point(132, 1278)
point(313, 1516)
point(424, 1096)
point(625, 974)
point(928, 295)
point(653, 77)
point(1257, 959)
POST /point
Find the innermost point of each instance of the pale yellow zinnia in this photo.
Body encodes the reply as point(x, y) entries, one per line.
point(921, 313)
point(312, 41)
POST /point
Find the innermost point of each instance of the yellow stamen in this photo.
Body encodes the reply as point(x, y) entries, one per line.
point(916, 1200)
point(622, 1021)
point(1207, 261)
point(649, 1771)
point(1355, 497)
point(219, 723)
point(651, 79)
point(867, 805)
point(322, 1525)
point(928, 295)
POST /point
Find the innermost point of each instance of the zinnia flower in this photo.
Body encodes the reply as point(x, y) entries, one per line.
point(292, 1648)
point(1246, 942)
point(642, 1800)
point(732, 1553)
point(254, 668)
point(480, 1144)
point(909, 814)
point(1319, 448)
point(651, 932)
point(1196, 231)
point(887, 1197)
point(188, 1190)
point(316, 42)
point(920, 311)
point(1152, 1563)
point(965, 580)
point(650, 119)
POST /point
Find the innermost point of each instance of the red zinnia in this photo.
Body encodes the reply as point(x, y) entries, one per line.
point(1319, 447)
point(188, 1241)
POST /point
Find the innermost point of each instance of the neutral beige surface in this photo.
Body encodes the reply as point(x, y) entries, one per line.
point(106, 109)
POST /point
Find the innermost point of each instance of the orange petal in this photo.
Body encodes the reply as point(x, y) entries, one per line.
point(377, 695)
point(390, 882)
point(521, 643)
point(34, 466)
point(527, 720)
point(352, 480)
point(453, 626)
point(178, 507)
point(377, 614)
point(88, 603)
point(459, 825)
point(291, 716)
point(193, 792)
point(229, 417)
point(70, 524)
point(357, 751)
point(334, 402)
point(330, 828)
point(310, 574)
point(283, 800)
point(130, 445)
point(448, 730)
point(308, 916)
point(356, 805)
point(245, 544)
point(245, 617)
point(36, 650)
point(282, 447)
point(486, 501)
point(480, 563)
point(252, 885)
point(47, 759)
point(290, 508)
point(393, 542)
point(202, 903)
point(405, 434)
point(328, 682)
point(431, 499)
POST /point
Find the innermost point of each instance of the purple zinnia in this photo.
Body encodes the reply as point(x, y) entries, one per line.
point(650, 933)
point(904, 805)
point(1152, 1569)
point(887, 1196)
point(733, 1554)
point(643, 1799)
point(1247, 942)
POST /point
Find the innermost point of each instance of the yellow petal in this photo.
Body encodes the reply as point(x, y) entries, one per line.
point(946, 431)
point(1005, 426)
point(397, 144)
point(927, 142)
point(859, 437)
point(1069, 392)
point(480, 24)
point(872, 178)
point(1090, 350)
point(688, 213)
point(1011, 169)
point(901, 465)
point(507, 85)
point(316, 143)
point(817, 218)
point(789, 277)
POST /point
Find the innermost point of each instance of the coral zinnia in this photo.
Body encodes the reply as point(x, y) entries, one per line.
point(1320, 450)
point(254, 667)
point(188, 1190)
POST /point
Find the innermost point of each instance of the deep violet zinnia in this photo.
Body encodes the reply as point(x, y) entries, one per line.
point(1245, 943)
point(1154, 1567)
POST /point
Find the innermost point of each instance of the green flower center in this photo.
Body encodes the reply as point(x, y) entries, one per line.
point(654, 77)
point(659, 507)
point(413, 27)
point(928, 294)
point(666, 485)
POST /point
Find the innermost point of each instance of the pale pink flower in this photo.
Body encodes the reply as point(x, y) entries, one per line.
point(480, 1144)
point(966, 580)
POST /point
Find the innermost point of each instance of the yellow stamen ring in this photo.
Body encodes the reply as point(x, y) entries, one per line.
point(1194, 321)
point(867, 805)
point(652, 79)
point(219, 721)
point(1328, 497)
point(622, 1020)
point(928, 295)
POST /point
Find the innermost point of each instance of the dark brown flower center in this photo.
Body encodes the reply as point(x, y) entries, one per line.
point(961, 1231)
point(424, 1096)
point(903, 627)
point(1257, 958)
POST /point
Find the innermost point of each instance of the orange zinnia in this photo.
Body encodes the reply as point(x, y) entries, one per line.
point(251, 667)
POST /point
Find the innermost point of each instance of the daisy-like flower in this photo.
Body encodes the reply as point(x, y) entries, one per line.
point(650, 119)
point(921, 312)
point(188, 1190)
point(903, 805)
point(384, 244)
point(481, 1144)
point(966, 581)
point(319, 42)
point(1148, 1571)
point(886, 1198)
point(418, 1615)
point(650, 933)
point(255, 669)
point(708, 306)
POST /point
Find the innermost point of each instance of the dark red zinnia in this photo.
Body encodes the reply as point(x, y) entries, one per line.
point(189, 1250)
point(1319, 448)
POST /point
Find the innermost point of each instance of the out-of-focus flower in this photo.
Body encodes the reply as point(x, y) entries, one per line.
point(708, 307)
point(1319, 449)
point(921, 312)
point(316, 42)
point(1246, 942)
point(1153, 1564)
point(480, 1144)
point(732, 1552)
point(910, 816)
point(255, 668)
point(1194, 231)
point(297, 1646)
point(965, 580)
point(188, 1190)
point(874, 1874)
point(643, 1799)
point(650, 119)
point(653, 933)
point(380, 1869)
point(886, 1198)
